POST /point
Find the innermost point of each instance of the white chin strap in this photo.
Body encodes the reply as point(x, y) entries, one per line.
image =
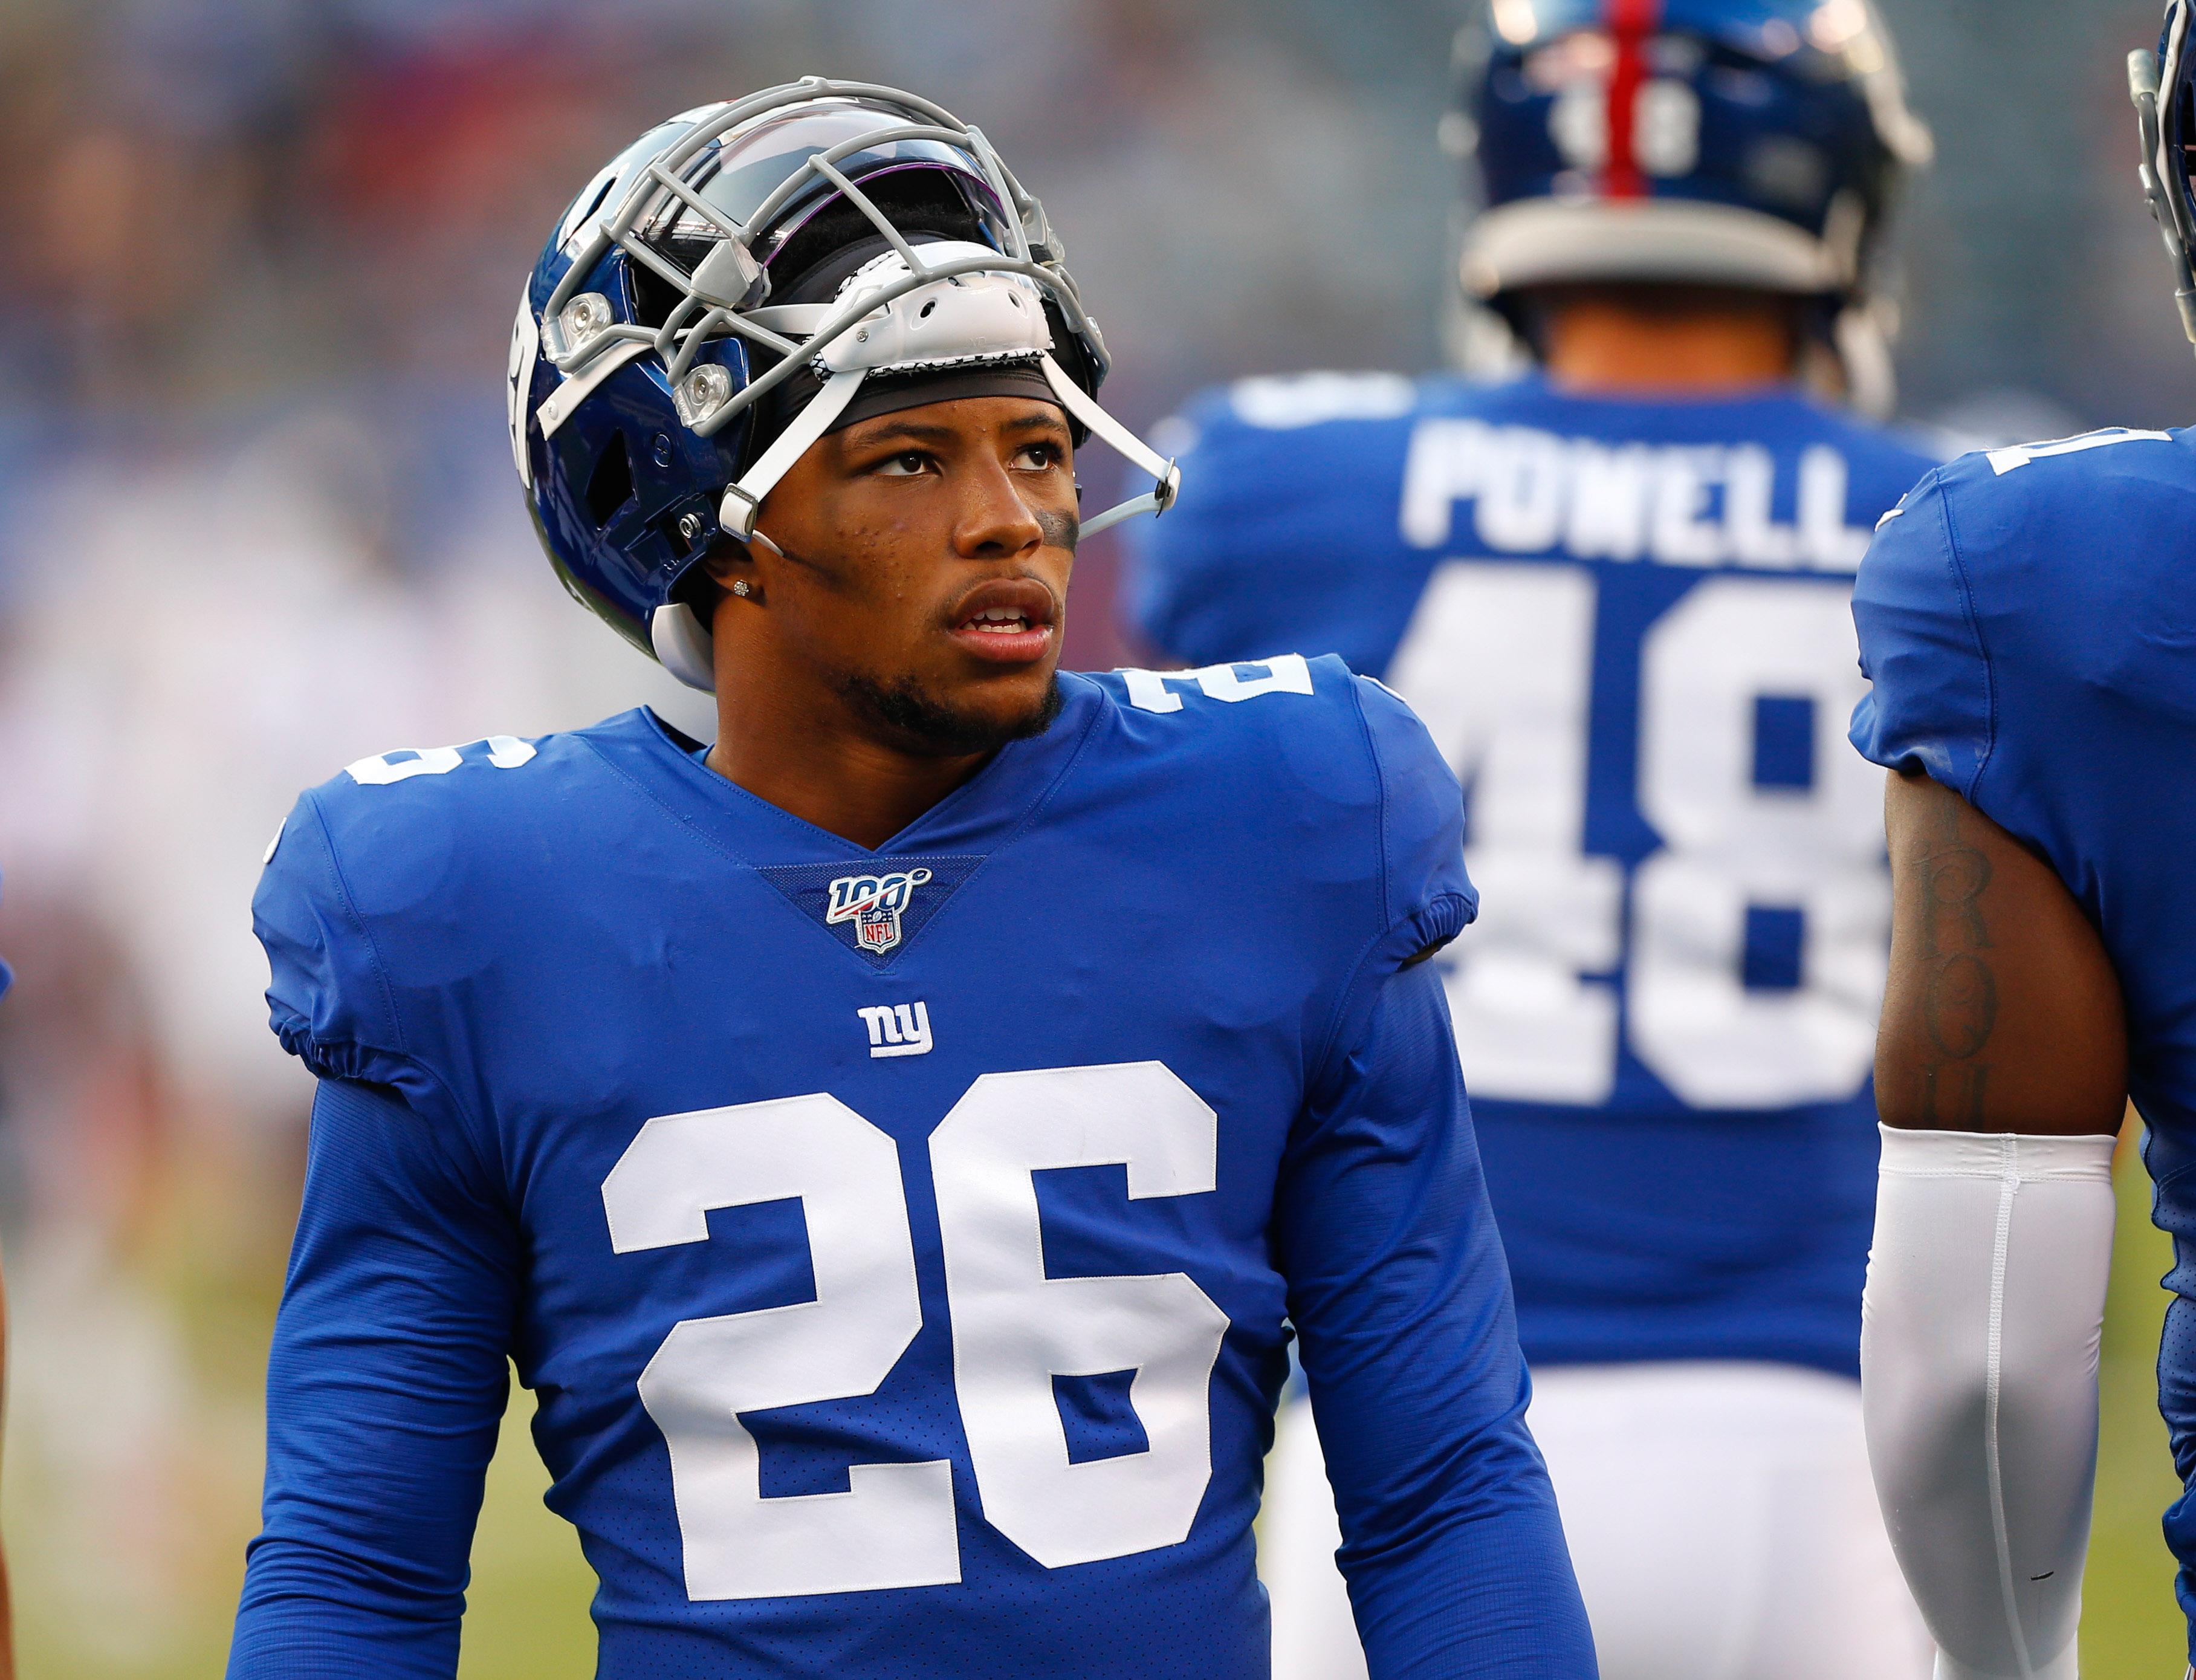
point(1165, 475)
point(742, 502)
point(964, 321)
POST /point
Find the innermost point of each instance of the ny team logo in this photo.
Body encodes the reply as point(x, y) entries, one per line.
point(873, 904)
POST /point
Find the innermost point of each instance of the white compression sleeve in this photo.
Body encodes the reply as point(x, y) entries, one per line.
point(1984, 1307)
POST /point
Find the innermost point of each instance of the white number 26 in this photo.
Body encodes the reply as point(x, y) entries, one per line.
point(1014, 1330)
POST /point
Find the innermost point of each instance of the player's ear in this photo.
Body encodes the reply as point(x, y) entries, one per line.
point(728, 570)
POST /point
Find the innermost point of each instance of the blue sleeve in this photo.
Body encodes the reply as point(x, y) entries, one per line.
point(1427, 899)
point(1930, 705)
point(328, 998)
point(1399, 1290)
point(384, 1389)
point(1400, 1294)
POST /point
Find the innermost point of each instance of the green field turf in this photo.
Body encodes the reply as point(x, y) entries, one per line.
point(2131, 1629)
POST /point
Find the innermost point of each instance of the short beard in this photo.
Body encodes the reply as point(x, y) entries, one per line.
point(925, 726)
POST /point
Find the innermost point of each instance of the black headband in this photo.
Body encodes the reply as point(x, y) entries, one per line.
point(890, 394)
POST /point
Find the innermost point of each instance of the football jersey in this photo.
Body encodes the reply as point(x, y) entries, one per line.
point(897, 1243)
point(2028, 621)
point(1627, 625)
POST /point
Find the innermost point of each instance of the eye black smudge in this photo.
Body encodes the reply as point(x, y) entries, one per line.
point(1061, 530)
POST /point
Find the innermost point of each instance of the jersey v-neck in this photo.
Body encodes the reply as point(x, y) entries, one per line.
point(977, 817)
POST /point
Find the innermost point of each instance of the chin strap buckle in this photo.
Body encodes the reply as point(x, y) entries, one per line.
point(737, 514)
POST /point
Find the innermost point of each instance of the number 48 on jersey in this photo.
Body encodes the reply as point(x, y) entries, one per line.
point(1575, 953)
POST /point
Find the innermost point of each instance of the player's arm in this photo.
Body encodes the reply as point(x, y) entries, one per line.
point(2001, 1079)
point(1398, 1288)
point(384, 1388)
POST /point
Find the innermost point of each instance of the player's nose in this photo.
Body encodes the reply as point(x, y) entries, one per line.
point(993, 520)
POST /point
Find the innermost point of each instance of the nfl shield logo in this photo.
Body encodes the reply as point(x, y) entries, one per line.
point(873, 903)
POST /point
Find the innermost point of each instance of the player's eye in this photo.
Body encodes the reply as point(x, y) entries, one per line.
point(1039, 457)
point(907, 464)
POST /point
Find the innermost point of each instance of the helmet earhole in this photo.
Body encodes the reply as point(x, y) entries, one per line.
point(609, 486)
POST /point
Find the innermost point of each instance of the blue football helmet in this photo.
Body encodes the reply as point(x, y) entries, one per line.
point(2163, 84)
point(1755, 144)
point(714, 300)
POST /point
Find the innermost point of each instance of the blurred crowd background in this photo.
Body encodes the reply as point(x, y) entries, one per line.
point(257, 517)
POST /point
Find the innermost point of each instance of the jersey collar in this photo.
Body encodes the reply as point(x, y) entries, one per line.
point(977, 818)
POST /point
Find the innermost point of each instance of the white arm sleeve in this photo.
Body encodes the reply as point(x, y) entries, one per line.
point(1981, 1326)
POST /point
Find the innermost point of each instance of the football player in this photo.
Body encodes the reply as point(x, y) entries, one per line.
point(1616, 588)
point(2028, 620)
point(888, 1140)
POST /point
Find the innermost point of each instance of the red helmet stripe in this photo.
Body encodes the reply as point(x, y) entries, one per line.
point(1632, 23)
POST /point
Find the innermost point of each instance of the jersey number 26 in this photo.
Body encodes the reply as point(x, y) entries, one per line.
point(1013, 1328)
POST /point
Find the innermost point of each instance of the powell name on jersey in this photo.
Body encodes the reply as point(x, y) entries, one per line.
point(1049, 1111)
point(2028, 622)
point(1627, 625)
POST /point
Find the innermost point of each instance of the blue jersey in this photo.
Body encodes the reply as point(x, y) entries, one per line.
point(897, 1243)
point(2029, 623)
point(1627, 625)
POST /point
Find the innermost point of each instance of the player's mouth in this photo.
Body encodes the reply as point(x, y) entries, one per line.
point(1010, 622)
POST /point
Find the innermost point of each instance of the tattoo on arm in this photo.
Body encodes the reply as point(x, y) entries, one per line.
point(1960, 1003)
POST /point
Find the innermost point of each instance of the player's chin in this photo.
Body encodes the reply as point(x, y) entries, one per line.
point(1008, 703)
point(966, 711)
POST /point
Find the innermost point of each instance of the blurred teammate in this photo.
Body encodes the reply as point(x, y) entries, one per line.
point(887, 1141)
point(1617, 589)
point(2028, 619)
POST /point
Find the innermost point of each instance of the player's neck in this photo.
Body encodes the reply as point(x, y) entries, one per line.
point(810, 755)
point(1603, 348)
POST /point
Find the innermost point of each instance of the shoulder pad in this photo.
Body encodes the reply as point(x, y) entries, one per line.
point(1929, 704)
point(382, 884)
point(1311, 737)
point(1272, 470)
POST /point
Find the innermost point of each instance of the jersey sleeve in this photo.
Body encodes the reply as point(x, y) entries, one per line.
point(1285, 535)
point(384, 1389)
point(1452, 1546)
point(1930, 705)
point(1400, 1292)
point(330, 999)
point(1426, 898)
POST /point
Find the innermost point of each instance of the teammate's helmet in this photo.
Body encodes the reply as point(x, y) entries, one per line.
point(2163, 85)
point(1745, 143)
point(714, 301)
